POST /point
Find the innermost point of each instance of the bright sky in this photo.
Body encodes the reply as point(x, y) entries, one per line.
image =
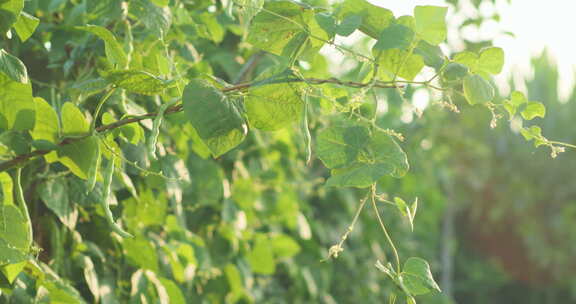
point(536, 24)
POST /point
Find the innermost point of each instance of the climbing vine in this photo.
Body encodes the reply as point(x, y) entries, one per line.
point(156, 111)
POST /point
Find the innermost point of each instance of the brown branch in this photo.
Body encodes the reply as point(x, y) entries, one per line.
point(20, 159)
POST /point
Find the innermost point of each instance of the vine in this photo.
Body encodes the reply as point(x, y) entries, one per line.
point(157, 71)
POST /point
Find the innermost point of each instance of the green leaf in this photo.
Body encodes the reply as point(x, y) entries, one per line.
point(533, 109)
point(455, 71)
point(54, 193)
point(46, 126)
point(383, 149)
point(395, 37)
point(284, 246)
point(339, 146)
point(141, 253)
point(431, 23)
point(90, 275)
point(14, 230)
point(491, 60)
point(349, 25)
point(139, 82)
point(9, 12)
point(234, 278)
point(25, 26)
point(156, 19)
point(533, 133)
point(174, 292)
point(10, 255)
point(432, 54)
point(215, 117)
point(7, 188)
point(360, 175)
point(394, 61)
point(11, 271)
point(248, 9)
point(467, 59)
point(359, 158)
point(273, 106)
point(79, 155)
point(114, 51)
point(261, 258)
point(374, 18)
point(417, 277)
point(327, 23)
point(161, 2)
point(17, 111)
point(477, 89)
point(73, 121)
point(516, 100)
point(13, 67)
point(408, 212)
point(284, 28)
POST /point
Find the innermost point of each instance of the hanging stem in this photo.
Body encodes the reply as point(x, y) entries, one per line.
point(388, 238)
point(336, 249)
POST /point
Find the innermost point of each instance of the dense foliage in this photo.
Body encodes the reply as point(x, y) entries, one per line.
point(138, 164)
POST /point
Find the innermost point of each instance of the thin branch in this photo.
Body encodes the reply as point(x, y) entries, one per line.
point(20, 159)
point(388, 238)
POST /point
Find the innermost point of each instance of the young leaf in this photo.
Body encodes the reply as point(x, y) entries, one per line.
point(417, 278)
point(513, 104)
point(25, 26)
point(430, 23)
point(215, 117)
point(533, 133)
point(533, 109)
point(477, 89)
point(491, 60)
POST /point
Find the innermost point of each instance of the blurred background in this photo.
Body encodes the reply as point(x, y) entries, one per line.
point(498, 214)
